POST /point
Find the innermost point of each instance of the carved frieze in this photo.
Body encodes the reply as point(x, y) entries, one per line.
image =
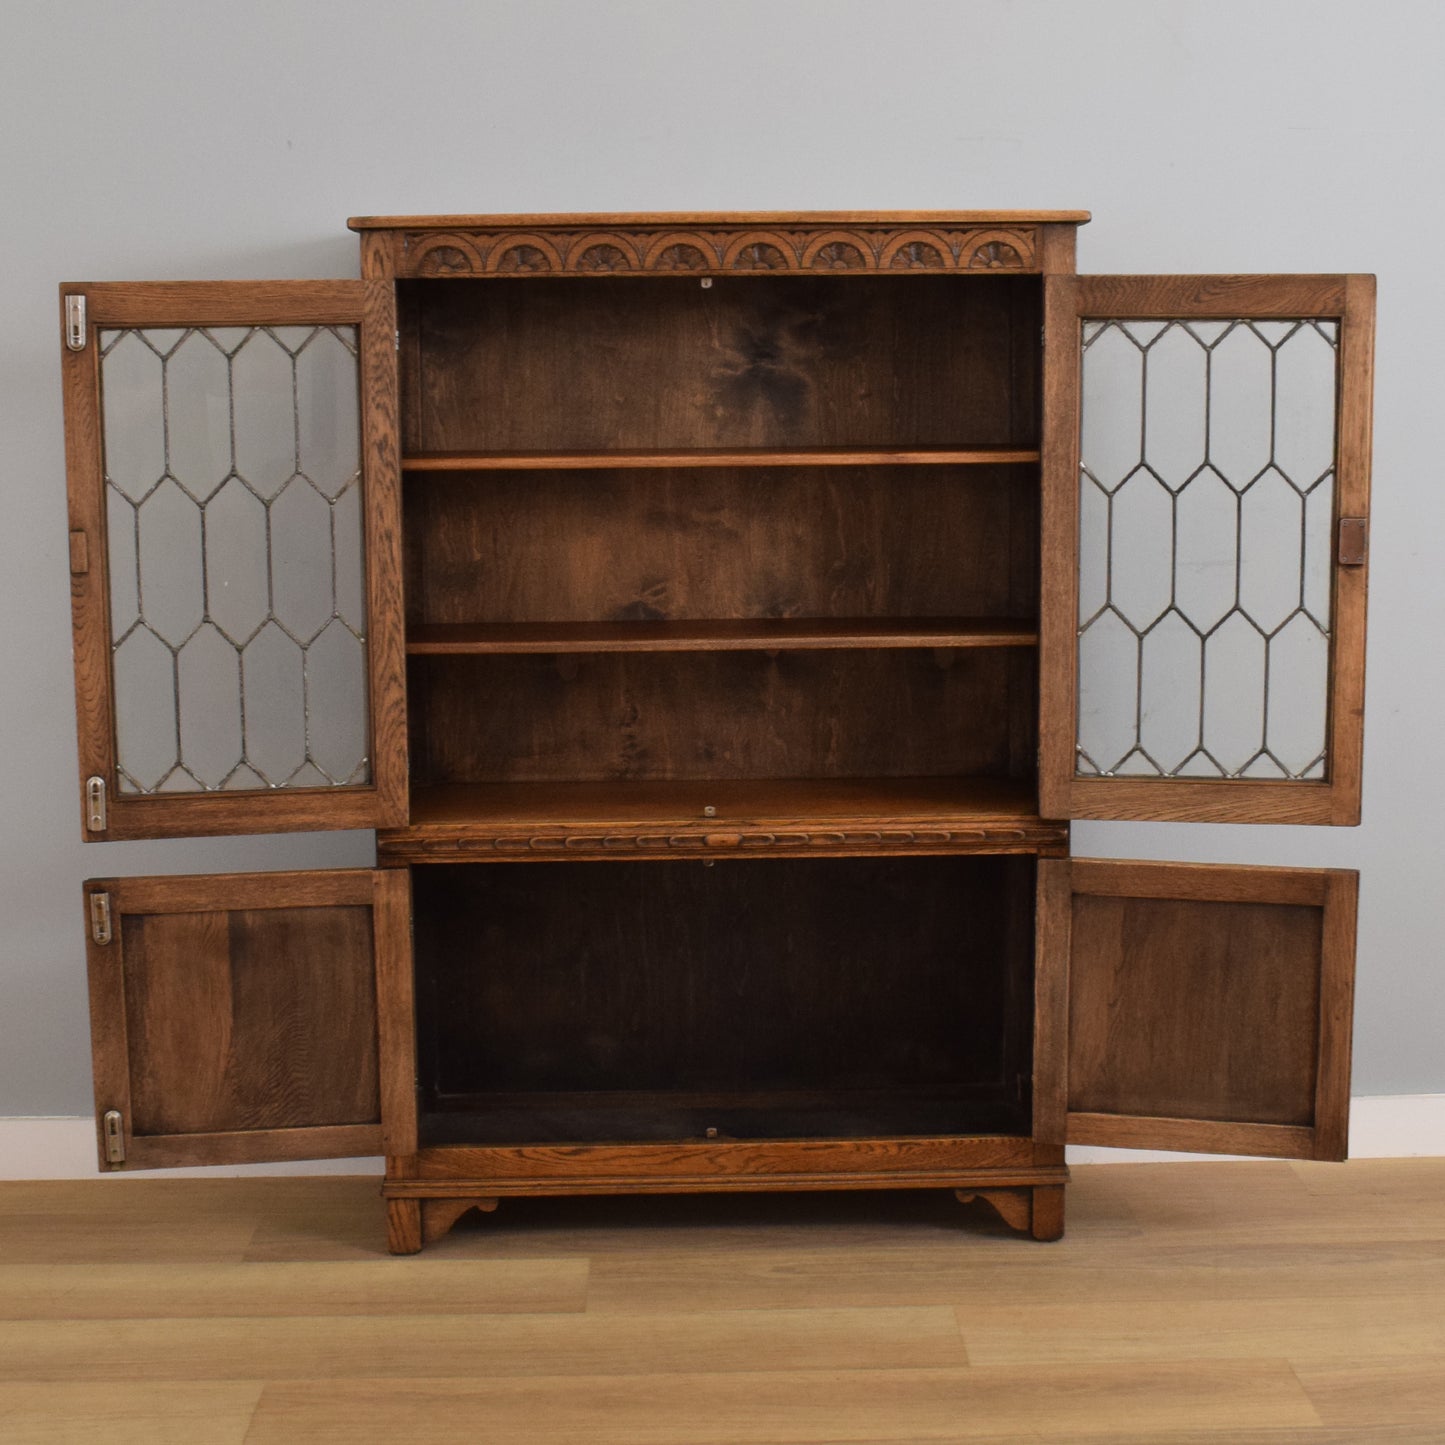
point(563, 251)
point(417, 846)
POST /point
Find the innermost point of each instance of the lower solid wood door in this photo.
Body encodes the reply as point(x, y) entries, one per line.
point(245, 1018)
point(1195, 1007)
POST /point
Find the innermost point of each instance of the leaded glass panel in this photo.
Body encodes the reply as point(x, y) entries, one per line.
point(234, 539)
point(1206, 497)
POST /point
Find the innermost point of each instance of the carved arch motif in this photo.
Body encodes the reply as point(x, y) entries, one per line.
point(838, 251)
point(740, 249)
point(916, 251)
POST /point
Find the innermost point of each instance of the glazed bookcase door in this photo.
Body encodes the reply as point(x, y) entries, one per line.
point(251, 1018)
point(235, 559)
point(1196, 1007)
point(1206, 492)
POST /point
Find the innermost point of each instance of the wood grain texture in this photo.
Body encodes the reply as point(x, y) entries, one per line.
point(723, 543)
point(779, 818)
point(395, 1009)
point(767, 1406)
point(615, 716)
point(795, 363)
point(370, 306)
point(760, 635)
point(147, 1288)
point(1195, 1304)
point(1068, 300)
point(1053, 922)
point(234, 1018)
point(738, 245)
point(1199, 994)
point(590, 220)
point(722, 1164)
point(685, 458)
point(386, 607)
point(693, 1000)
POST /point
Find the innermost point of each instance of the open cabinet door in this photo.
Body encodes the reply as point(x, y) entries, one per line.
point(1205, 509)
point(1196, 1007)
point(248, 1018)
point(231, 454)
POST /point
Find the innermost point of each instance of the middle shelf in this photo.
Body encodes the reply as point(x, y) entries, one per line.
point(720, 635)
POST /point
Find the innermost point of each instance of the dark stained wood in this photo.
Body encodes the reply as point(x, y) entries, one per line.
point(509, 822)
point(760, 635)
point(249, 1019)
point(786, 542)
point(370, 306)
point(1053, 910)
point(403, 1226)
point(1337, 1016)
point(385, 604)
point(243, 1030)
point(438, 1215)
point(552, 461)
point(720, 715)
point(585, 365)
point(726, 1164)
point(1068, 300)
point(908, 244)
point(694, 999)
point(1038, 1210)
point(1198, 997)
point(395, 1009)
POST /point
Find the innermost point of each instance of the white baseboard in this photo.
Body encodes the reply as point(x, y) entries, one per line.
point(1391, 1126)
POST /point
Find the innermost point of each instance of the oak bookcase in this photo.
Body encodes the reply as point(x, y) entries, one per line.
point(718, 617)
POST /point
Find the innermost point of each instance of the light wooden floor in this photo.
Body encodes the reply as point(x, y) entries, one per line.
point(1254, 1304)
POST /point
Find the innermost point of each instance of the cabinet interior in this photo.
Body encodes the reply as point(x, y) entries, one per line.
point(592, 598)
point(760, 998)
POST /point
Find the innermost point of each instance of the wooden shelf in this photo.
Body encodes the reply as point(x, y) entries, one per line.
point(751, 635)
point(763, 818)
point(718, 457)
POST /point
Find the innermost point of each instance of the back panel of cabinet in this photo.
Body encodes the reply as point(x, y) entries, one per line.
point(656, 544)
point(611, 364)
point(667, 716)
point(840, 997)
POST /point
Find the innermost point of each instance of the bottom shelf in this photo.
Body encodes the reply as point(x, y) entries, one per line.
point(637, 1117)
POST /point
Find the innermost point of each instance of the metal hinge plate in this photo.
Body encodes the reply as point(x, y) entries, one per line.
point(75, 332)
point(112, 1128)
point(1352, 541)
point(100, 929)
point(95, 804)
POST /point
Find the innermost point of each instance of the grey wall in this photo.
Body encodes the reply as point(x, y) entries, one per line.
point(202, 139)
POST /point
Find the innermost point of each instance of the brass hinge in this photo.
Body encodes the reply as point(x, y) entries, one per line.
point(1352, 541)
point(75, 332)
point(100, 929)
point(396, 339)
point(95, 804)
point(112, 1129)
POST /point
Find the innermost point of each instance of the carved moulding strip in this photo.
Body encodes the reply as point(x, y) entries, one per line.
point(738, 250)
point(413, 847)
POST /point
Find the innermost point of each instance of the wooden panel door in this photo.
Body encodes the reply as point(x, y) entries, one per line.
point(1195, 1007)
point(231, 451)
point(1206, 490)
point(248, 1018)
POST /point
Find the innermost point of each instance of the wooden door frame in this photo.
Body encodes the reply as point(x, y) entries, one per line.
point(370, 306)
point(1334, 891)
point(386, 891)
point(1068, 301)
